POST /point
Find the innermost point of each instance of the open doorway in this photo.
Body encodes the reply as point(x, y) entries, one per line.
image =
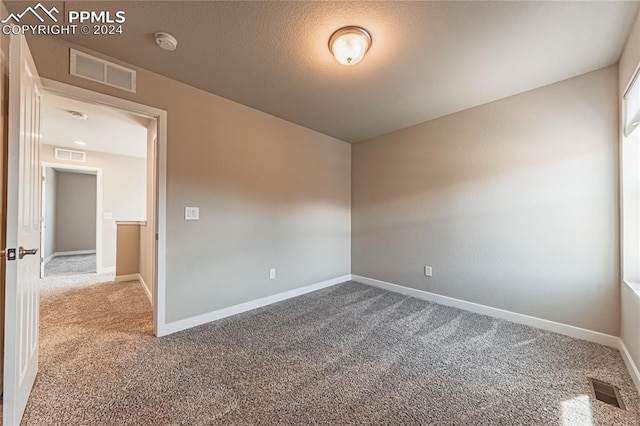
point(69, 209)
point(97, 195)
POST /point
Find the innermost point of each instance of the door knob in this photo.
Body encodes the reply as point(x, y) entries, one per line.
point(22, 252)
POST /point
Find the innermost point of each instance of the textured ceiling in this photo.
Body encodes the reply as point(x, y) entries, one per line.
point(428, 59)
point(105, 129)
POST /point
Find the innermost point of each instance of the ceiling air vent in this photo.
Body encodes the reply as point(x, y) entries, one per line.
point(96, 69)
point(69, 155)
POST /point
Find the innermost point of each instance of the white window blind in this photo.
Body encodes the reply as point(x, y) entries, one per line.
point(632, 106)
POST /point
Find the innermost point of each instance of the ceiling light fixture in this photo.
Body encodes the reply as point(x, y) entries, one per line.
point(78, 115)
point(349, 44)
point(80, 143)
point(166, 41)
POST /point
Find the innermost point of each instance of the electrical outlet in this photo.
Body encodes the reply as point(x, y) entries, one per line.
point(428, 272)
point(272, 273)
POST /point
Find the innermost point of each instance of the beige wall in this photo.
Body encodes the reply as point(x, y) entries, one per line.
point(128, 249)
point(75, 217)
point(630, 331)
point(50, 212)
point(514, 204)
point(271, 193)
point(123, 192)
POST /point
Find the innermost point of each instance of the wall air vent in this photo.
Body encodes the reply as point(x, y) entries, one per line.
point(96, 69)
point(69, 155)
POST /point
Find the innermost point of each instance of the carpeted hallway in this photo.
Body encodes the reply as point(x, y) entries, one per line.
point(70, 265)
point(348, 354)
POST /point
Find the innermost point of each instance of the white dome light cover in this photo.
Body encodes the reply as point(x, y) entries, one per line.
point(349, 44)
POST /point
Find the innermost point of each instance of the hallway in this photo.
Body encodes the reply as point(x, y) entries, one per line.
point(70, 265)
point(91, 332)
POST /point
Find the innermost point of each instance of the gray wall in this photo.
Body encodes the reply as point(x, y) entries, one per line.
point(272, 194)
point(75, 212)
point(514, 204)
point(50, 212)
point(123, 192)
point(630, 334)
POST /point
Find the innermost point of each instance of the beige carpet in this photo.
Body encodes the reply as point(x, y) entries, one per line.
point(348, 354)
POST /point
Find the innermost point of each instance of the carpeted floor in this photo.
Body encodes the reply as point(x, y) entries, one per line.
point(70, 265)
point(348, 354)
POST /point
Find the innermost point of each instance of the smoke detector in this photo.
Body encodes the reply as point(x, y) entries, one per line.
point(78, 115)
point(166, 41)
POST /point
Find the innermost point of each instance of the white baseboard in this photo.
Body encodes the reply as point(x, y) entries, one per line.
point(107, 269)
point(146, 289)
point(72, 253)
point(631, 365)
point(556, 327)
point(49, 259)
point(123, 278)
point(247, 306)
point(568, 330)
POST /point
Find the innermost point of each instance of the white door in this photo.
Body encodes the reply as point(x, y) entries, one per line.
point(23, 231)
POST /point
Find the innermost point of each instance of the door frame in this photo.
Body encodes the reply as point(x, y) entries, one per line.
point(89, 96)
point(73, 168)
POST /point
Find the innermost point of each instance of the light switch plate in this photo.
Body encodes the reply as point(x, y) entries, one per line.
point(107, 215)
point(191, 213)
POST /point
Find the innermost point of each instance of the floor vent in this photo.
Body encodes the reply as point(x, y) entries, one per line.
point(606, 393)
point(96, 69)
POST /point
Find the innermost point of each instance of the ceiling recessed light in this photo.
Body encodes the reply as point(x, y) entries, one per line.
point(80, 143)
point(349, 44)
point(78, 115)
